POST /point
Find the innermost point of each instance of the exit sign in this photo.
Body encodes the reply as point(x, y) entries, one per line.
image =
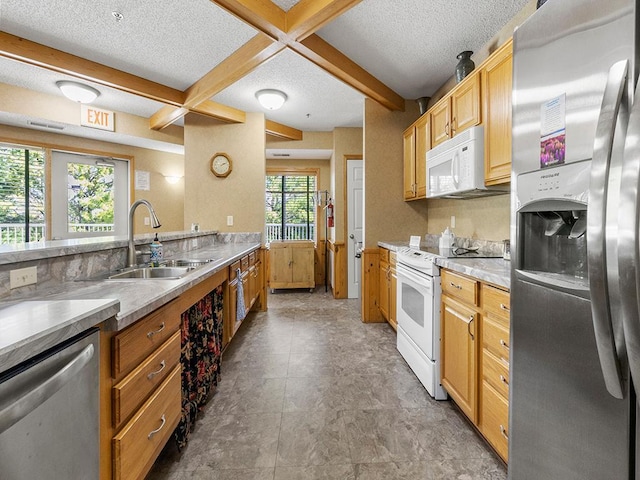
point(97, 118)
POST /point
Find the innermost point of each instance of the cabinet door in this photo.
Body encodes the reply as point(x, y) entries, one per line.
point(393, 321)
point(465, 104)
point(303, 266)
point(458, 353)
point(496, 87)
point(409, 163)
point(423, 144)
point(280, 265)
point(440, 118)
point(233, 298)
point(383, 302)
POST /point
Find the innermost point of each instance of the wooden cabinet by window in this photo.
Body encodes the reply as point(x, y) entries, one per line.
point(497, 91)
point(417, 141)
point(457, 111)
point(292, 264)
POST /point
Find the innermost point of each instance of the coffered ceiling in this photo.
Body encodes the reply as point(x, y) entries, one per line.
point(163, 59)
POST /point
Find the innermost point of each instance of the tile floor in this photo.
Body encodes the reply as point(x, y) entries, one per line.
point(310, 392)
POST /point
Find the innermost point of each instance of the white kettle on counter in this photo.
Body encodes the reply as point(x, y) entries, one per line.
point(447, 239)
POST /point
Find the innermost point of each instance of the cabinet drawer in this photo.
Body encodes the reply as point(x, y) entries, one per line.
point(496, 373)
point(133, 389)
point(138, 341)
point(233, 270)
point(392, 259)
point(496, 302)
point(244, 263)
point(384, 255)
point(495, 338)
point(252, 258)
point(461, 287)
point(494, 420)
point(138, 444)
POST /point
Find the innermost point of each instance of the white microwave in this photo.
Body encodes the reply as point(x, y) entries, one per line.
point(455, 168)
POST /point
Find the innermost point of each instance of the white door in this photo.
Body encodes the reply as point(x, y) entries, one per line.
point(89, 196)
point(355, 219)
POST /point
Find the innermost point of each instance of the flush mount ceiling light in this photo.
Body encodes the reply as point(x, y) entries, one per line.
point(78, 92)
point(271, 99)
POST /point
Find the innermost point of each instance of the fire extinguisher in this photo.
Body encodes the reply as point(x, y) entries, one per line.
point(330, 213)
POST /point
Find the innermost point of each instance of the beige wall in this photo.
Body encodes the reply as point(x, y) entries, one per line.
point(387, 215)
point(209, 199)
point(478, 218)
point(166, 199)
point(346, 142)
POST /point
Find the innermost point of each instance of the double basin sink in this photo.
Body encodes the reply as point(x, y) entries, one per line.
point(168, 270)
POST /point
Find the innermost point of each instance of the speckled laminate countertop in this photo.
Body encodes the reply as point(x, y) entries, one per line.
point(30, 327)
point(492, 270)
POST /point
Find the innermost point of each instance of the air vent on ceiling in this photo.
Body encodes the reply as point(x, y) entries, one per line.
point(281, 154)
point(46, 125)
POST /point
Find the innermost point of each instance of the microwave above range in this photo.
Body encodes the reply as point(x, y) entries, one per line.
point(455, 168)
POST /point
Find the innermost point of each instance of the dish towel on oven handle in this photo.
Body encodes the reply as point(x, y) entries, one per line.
point(240, 306)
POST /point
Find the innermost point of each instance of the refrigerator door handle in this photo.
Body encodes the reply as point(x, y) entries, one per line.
point(596, 224)
point(628, 254)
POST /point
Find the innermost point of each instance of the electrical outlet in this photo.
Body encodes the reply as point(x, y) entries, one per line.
point(147, 221)
point(22, 277)
point(229, 220)
point(453, 221)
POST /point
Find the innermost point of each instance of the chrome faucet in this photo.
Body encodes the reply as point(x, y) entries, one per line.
point(155, 223)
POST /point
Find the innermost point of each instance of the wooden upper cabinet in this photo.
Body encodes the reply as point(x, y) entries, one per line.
point(409, 164)
point(417, 140)
point(465, 104)
point(423, 144)
point(440, 116)
point(497, 91)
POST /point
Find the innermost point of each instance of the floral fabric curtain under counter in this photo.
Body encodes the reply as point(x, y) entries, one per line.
point(200, 358)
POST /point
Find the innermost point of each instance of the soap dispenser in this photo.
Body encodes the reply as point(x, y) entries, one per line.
point(156, 251)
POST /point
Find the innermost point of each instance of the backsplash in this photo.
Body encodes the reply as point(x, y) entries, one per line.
point(60, 264)
point(487, 246)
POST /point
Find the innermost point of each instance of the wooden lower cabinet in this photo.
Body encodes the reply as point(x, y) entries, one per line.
point(458, 352)
point(475, 322)
point(387, 284)
point(292, 264)
point(140, 441)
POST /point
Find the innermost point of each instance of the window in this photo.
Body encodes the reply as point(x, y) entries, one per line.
point(290, 210)
point(89, 196)
point(22, 199)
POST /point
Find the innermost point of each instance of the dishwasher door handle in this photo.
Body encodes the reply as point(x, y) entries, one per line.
point(16, 411)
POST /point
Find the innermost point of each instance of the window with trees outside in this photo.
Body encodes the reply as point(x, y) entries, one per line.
point(290, 209)
point(22, 195)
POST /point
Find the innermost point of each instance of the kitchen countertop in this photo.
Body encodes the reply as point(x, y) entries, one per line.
point(491, 270)
point(30, 327)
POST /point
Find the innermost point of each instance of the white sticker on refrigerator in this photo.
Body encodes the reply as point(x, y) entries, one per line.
point(552, 132)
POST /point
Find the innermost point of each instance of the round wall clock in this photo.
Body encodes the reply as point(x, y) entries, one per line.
point(221, 165)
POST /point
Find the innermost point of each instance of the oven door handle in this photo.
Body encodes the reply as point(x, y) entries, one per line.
point(23, 406)
point(419, 279)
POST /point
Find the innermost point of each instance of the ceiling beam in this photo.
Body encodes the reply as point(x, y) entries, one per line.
point(282, 131)
point(246, 58)
point(342, 67)
point(17, 48)
point(263, 15)
point(221, 112)
point(166, 116)
point(308, 16)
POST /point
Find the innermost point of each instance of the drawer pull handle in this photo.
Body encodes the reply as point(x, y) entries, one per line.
point(164, 420)
point(505, 307)
point(455, 286)
point(503, 431)
point(153, 374)
point(504, 380)
point(505, 361)
point(504, 344)
point(153, 332)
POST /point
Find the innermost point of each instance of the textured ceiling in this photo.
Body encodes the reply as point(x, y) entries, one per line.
point(410, 46)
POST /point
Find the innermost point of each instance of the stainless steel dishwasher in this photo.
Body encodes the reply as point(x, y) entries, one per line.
point(49, 413)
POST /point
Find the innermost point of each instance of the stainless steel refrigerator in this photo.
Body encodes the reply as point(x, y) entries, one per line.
point(575, 335)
